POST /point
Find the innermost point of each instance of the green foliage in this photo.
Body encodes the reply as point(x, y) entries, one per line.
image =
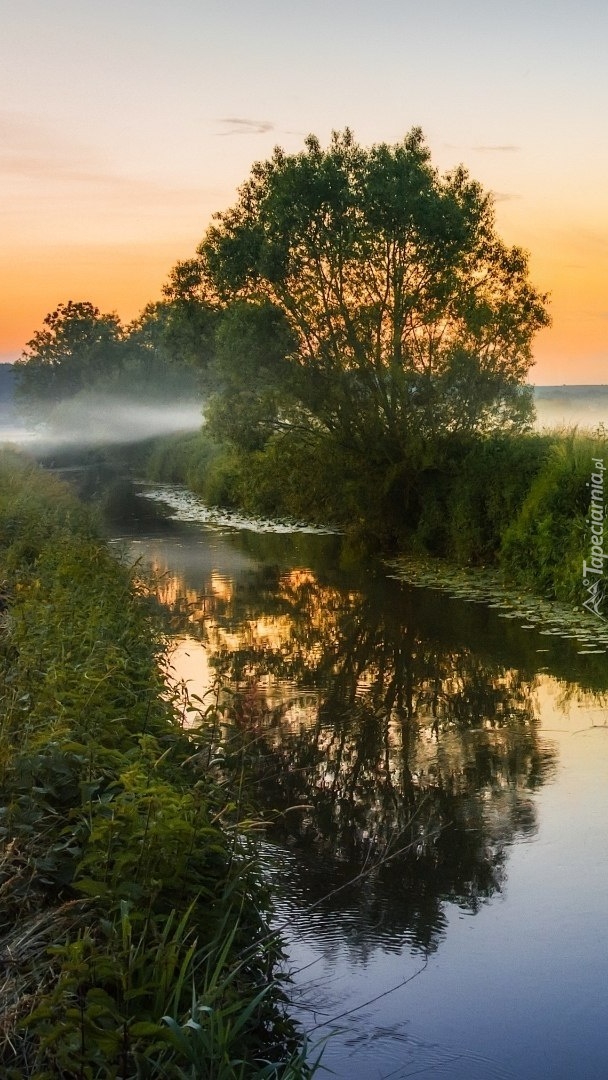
point(77, 345)
point(470, 493)
point(24, 530)
point(190, 316)
point(199, 462)
point(293, 476)
point(174, 458)
point(223, 483)
point(157, 363)
point(82, 354)
point(130, 892)
point(371, 333)
point(304, 478)
point(544, 546)
point(521, 501)
point(253, 376)
point(409, 318)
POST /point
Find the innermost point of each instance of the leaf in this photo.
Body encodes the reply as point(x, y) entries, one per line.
point(145, 1028)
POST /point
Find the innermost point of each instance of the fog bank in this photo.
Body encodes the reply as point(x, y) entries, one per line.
point(105, 420)
point(571, 406)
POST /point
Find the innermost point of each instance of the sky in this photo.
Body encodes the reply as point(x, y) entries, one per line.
point(124, 125)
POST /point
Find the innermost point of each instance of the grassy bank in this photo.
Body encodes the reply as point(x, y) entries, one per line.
point(133, 918)
point(518, 502)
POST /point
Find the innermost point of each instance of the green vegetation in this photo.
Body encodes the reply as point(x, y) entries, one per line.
point(77, 345)
point(200, 463)
point(133, 927)
point(81, 352)
point(398, 313)
point(372, 340)
point(545, 544)
point(363, 339)
point(520, 503)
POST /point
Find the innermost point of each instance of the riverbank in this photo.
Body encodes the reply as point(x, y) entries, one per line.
point(532, 505)
point(134, 927)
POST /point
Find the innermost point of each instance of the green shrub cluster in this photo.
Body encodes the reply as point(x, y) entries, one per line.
point(469, 493)
point(133, 917)
point(293, 475)
point(521, 502)
point(544, 545)
point(200, 463)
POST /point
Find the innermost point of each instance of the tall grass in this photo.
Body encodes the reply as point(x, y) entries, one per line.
point(544, 545)
point(133, 915)
point(198, 462)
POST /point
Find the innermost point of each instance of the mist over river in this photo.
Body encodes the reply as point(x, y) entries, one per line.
point(106, 419)
point(435, 779)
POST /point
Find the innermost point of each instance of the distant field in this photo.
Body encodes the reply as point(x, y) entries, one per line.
point(566, 406)
point(7, 385)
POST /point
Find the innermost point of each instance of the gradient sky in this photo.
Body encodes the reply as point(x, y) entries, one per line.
point(125, 124)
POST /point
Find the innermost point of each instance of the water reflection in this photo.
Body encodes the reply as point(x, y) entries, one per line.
point(396, 759)
point(417, 761)
point(417, 734)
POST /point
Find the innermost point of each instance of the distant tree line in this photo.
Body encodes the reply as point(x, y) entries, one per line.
point(80, 350)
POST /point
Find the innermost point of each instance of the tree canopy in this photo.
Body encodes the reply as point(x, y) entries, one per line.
point(75, 347)
point(81, 350)
point(408, 316)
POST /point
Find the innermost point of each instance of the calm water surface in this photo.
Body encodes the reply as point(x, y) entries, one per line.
point(437, 779)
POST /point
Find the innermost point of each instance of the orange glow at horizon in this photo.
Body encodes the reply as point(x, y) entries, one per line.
point(574, 349)
point(126, 277)
point(121, 278)
point(123, 127)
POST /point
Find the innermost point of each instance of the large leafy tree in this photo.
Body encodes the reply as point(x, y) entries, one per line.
point(190, 316)
point(409, 318)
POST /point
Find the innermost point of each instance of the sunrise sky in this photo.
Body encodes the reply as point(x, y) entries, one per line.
point(125, 124)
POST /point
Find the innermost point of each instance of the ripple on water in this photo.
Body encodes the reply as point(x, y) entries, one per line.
point(357, 1047)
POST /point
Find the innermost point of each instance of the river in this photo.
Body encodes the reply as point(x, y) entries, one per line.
point(436, 782)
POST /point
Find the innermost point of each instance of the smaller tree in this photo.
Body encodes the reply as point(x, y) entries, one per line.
point(77, 345)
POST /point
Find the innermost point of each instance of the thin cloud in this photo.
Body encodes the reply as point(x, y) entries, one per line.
point(241, 125)
point(29, 148)
point(504, 196)
point(35, 151)
point(507, 148)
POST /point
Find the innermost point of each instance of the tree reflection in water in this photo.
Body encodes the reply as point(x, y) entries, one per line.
point(396, 760)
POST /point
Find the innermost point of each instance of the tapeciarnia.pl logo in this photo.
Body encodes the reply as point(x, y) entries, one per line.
point(593, 568)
